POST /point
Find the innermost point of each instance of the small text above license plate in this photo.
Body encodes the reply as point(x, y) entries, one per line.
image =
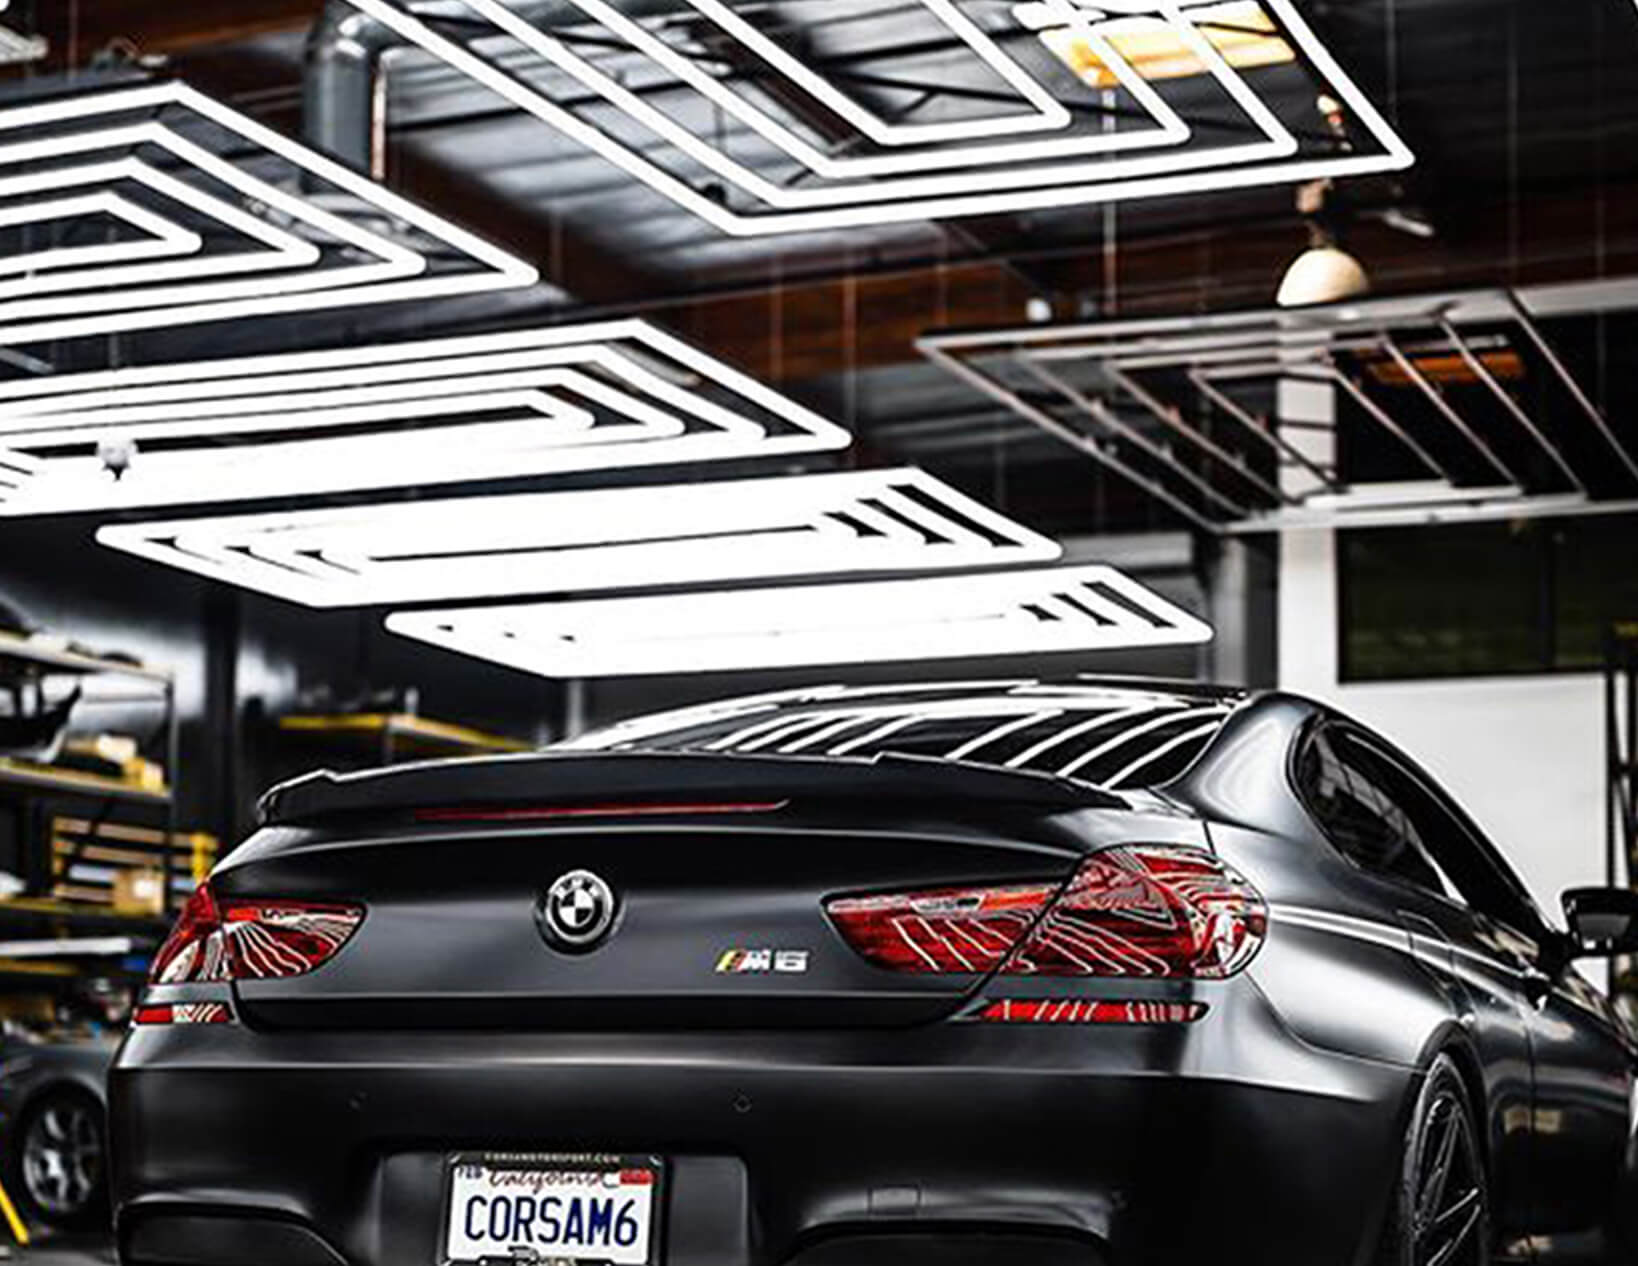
point(527, 1208)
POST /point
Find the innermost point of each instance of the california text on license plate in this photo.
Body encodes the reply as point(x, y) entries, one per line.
point(551, 1208)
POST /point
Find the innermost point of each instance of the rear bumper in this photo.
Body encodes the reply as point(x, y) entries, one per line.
point(978, 1144)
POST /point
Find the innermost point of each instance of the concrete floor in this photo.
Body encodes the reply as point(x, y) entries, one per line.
point(59, 1250)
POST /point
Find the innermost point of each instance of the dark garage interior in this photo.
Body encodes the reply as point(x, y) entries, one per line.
point(394, 381)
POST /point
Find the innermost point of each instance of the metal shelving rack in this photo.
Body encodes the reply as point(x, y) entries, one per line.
point(34, 659)
point(1620, 733)
point(39, 790)
point(1621, 801)
point(395, 734)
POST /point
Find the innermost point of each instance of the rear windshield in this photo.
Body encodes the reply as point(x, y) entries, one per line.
point(1113, 738)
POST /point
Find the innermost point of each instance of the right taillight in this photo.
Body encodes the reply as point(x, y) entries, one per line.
point(260, 939)
point(943, 930)
point(1089, 1011)
point(1156, 911)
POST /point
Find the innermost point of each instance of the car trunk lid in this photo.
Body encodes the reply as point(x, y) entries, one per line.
point(719, 869)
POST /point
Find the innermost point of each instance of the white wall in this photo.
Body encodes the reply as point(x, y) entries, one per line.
point(1524, 755)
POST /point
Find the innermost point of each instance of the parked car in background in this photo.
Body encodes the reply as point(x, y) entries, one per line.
point(53, 1126)
point(1081, 973)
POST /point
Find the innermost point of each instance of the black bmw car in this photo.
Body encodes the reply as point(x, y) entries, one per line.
point(1009, 974)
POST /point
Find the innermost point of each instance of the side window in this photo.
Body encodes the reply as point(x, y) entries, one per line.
point(1469, 865)
point(1351, 794)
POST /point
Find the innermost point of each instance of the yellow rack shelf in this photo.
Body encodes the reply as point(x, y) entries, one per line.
point(36, 967)
point(30, 651)
point(405, 728)
point(47, 907)
point(22, 773)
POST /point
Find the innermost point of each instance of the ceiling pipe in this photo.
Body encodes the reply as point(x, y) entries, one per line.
point(344, 85)
point(343, 90)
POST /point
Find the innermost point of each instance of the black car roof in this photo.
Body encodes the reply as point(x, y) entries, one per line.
point(1007, 741)
point(1114, 732)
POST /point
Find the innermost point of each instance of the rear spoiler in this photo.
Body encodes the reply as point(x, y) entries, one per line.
point(593, 777)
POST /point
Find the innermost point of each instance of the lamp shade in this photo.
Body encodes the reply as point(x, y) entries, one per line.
point(1323, 274)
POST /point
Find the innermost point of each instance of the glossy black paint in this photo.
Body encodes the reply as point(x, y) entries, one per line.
point(847, 1114)
point(1603, 918)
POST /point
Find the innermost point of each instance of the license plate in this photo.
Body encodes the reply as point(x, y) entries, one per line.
point(526, 1208)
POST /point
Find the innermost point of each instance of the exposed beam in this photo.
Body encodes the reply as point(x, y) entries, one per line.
point(804, 331)
point(79, 29)
point(589, 273)
point(1229, 266)
point(999, 237)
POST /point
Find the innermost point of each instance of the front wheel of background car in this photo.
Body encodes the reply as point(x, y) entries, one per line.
point(57, 1161)
point(1439, 1210)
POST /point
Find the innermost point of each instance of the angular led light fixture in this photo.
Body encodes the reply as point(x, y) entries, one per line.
point(1010, 125)
point(1028, 612)
point(602, 396)
point(622, 538)
point(184, 233)
point(1177, 406)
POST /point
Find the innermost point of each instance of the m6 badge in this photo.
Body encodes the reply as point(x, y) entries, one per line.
point(762, 962)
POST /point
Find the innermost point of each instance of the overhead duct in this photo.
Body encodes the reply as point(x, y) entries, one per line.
point(343, 90)
point(344, 106)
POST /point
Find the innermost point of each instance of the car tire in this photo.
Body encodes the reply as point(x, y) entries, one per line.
point(1439, 1209)
point(56, 1160)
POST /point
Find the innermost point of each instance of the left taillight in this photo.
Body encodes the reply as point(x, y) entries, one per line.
point(1156, 911)
point(252, 939)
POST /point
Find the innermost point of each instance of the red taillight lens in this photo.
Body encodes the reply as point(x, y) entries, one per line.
point(1149, 910)
point(195, 938)
point(273, 940)
point(185, 1013)
point(1088, 1011)
point(252, 940)
point(948, 930)
point(550, 812)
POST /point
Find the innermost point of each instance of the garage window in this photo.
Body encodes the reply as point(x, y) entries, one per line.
point(1483, 599)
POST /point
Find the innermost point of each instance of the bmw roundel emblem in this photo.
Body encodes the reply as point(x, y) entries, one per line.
point(576, 912)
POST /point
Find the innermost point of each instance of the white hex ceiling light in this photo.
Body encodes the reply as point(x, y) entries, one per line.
point(1169, 129)
point(1041, 155)
point(622, 538)
point(606, 395)
point(1028, 612)
point(190, 235)
point(156, 237)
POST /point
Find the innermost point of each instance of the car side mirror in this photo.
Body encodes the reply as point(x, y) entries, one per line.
point(1603, 921)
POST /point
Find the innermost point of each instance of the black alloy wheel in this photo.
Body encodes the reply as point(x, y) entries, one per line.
point(1439, 1211)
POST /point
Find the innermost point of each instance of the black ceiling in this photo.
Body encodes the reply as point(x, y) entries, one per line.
point(1523, 116)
